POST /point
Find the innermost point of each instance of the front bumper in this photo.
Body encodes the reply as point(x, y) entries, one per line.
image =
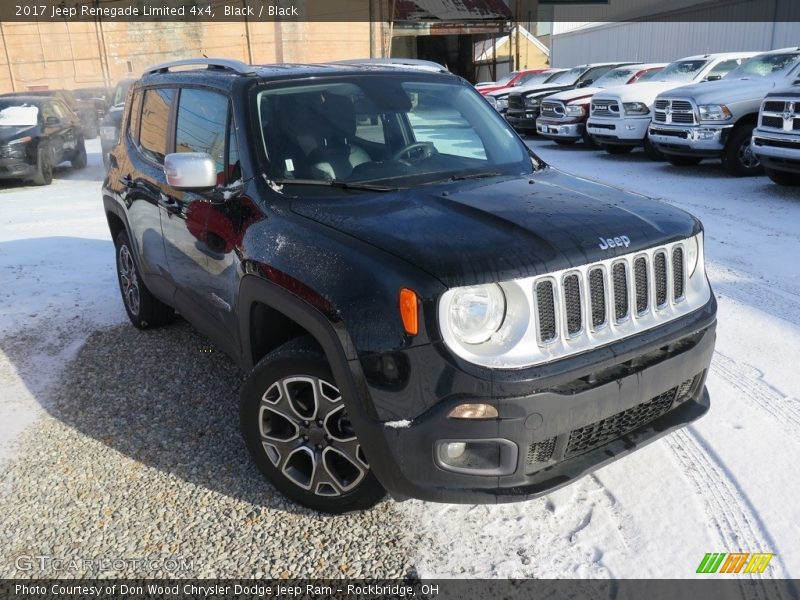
point(15, 168)
point(522, 119)
point(562, 425)
point(559, 130)
point(621, 132)
point(706, 141)
point(777, 151)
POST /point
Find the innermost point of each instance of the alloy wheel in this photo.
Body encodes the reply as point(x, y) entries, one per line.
point(129, 279)
point(307, 436)
point(747, 157)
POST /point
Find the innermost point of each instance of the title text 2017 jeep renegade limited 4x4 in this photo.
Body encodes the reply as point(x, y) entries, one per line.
point(424, 306)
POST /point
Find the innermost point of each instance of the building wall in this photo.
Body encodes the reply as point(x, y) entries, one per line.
point(682, 31)
point(74, 55)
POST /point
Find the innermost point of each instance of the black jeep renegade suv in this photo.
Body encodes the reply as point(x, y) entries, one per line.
point(422, 304)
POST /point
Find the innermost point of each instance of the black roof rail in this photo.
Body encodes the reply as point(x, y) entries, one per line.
point(409, 63)
point(225, 64)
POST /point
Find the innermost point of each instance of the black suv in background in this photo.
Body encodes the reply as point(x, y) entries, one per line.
point(525, 104)
point(37, 133)
point(109, 126)
point(422, 304)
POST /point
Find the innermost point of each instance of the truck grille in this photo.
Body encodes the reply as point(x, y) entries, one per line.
point(605, 108)
point(674, 112)
point(515, 101)
point(552, 109)
point(780, 115)
point(601, 432)
point(600, 293)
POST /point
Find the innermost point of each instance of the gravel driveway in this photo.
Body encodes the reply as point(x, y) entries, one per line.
point(139, 457)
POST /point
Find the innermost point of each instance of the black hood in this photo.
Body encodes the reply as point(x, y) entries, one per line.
point(502, 228)
point(9, 134)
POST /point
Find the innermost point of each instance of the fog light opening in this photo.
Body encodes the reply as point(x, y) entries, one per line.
point(477, 457)
point(455, 450)
point(473, 411)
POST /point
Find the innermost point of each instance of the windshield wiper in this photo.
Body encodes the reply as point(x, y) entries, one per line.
point(467, 176)
point(337, 184)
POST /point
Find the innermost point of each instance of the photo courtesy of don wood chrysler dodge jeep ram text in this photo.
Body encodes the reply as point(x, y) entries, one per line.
point(423, 305)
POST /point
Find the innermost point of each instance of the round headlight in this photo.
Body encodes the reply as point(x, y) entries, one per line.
point(477, 312)
point(692, 253)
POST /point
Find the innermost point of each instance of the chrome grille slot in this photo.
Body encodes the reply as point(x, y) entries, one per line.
point(573, 303)
point(605, 108)
point(678, 282)
point(546, 311)
point(621, 302)
point(597, 294)
point(660, 273)
point(642, 291)
point(769, 121)
point(774, 106)
point(674, 111)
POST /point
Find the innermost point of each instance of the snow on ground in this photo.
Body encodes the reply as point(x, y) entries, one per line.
point(724, 484)
point(727, 483)
point(58, 284)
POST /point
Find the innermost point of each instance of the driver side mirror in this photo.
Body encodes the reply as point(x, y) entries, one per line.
point(190, 171)
point(713, 77)
point(52, 121)
point(585, 83)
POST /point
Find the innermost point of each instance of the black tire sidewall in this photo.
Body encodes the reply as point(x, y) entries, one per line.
point(730, 156)
point(80, 161)
point(299, 359)
point(44, 166)
point(783, 177)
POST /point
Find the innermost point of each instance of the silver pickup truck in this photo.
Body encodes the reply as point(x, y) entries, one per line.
point(716, 119)
point(776, 140)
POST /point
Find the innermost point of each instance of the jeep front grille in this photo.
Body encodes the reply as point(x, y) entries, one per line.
point(780, 115)
point(556, 314)
point(678, 112)
point(552, 109)
point(605, 108)
point(604, 292)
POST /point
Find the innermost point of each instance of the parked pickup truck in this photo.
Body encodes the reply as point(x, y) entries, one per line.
point(716, 119)
point(499, 98)
point(776, 140)
point(524, 103)
point(619, 118)
point(564, 114)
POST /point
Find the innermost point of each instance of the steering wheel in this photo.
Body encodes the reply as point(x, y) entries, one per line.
point(415, 152)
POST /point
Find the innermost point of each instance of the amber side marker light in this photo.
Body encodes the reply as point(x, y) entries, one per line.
point(409, 311)
point(473, 411)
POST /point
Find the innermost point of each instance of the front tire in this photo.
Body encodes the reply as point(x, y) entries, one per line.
point(738, 158)
point(44, 166)
point(144, 310)
point(614, 149)
point(783, 177)
point(683, 161)
point(653, 152)
point(79, 160)
point(295, 425)
point(588, 141)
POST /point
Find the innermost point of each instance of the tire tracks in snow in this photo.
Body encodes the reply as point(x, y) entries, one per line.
point(731, 517)
point(749, 381)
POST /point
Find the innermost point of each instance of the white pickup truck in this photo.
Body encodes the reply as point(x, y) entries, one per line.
point(716, 119)
point(620, 117)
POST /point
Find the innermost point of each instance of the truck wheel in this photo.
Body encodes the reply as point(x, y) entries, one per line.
point(653, 152)
point(44, 166)
point(295, 425)
point(683, 161)
point(79, 158)
point(783, 177)
point(144, 310)
point(738, 158)
point(614, 149)
point(589, 142)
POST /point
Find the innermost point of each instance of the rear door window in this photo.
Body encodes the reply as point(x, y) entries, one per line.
point(155, 123)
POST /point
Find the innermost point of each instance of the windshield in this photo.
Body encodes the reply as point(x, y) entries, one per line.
point(16, 114)
point(392, 129)
point(650, 75)
point(764, 66)
point(506, 78)
point(682, 70)
point(616, 77)
point(568, 77)
point(533, 78)
point(121, 92)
